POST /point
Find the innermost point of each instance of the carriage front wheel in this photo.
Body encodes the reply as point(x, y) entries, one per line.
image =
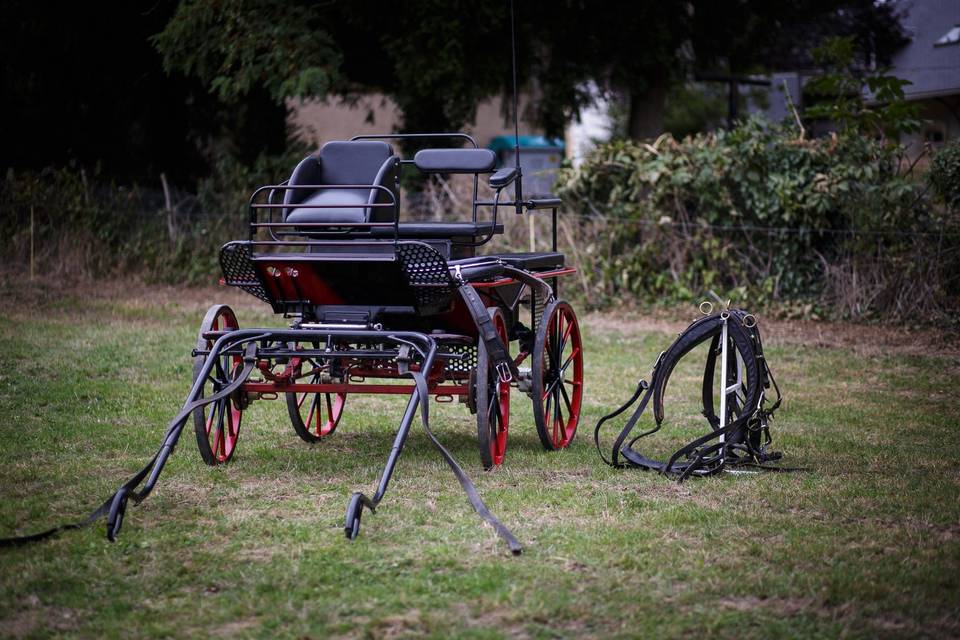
point(217, 425)
point(557, 370)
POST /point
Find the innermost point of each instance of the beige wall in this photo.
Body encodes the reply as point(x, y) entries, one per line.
point(335, 119)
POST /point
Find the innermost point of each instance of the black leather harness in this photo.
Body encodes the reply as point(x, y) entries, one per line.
point(744, 436)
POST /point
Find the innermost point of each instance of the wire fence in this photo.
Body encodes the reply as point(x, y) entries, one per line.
point(857, 271)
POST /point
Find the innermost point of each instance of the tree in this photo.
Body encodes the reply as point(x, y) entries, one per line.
point(437, 59)
point(843, 90)
point(82, 83)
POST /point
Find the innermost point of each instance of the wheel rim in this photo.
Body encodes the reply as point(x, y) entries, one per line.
point(222, 419)
point(320, 413)
point(314, 415)
point(491, 399)
point(558, 377)
point(497, 410)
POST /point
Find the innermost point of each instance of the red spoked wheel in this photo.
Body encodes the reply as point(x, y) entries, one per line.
point(492, 400)
point(557, 370)
point(217, 425)
point(314, 415)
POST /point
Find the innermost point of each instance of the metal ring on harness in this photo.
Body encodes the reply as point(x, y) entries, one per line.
point(706, 307)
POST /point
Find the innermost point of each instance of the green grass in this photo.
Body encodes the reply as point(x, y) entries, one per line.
point(866, 544)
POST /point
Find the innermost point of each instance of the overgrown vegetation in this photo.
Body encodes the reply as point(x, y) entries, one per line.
point(839, 222)
point(68, 224)
point(945, 174)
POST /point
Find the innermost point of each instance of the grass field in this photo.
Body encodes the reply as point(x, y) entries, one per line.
point(865, 544)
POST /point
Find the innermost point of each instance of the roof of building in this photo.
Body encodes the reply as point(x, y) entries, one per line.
point(931, 61)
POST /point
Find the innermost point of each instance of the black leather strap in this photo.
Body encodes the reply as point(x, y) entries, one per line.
point(497, 351)
point(475, 501)
point(115, 505)
point(743, 434)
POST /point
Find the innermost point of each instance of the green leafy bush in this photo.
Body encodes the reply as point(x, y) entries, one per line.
point(945, 174)
point(759, 211)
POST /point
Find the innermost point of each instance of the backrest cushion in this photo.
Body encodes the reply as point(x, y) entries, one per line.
point(355, 162)
point(307, 172)
point(339, 163)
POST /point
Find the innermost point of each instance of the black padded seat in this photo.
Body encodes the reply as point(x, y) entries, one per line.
point(344, 163)
point(538, 261)
point(439, 230)
point(455, 160)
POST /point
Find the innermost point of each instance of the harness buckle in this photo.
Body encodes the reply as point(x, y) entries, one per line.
point(503, 371)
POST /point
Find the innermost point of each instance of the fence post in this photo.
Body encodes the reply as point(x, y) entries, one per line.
point(31, 243)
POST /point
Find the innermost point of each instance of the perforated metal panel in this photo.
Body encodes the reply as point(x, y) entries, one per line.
point(464, 365)
point(428, 276)
point(238, 270)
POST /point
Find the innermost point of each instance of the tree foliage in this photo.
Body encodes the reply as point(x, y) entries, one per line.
point(870, 103)
point(237, 46)
point(437, 60)
point(82, 84)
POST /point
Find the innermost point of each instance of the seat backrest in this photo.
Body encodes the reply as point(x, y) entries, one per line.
point(342, 163)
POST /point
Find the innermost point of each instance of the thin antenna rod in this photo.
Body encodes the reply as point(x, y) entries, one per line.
point(516, 125)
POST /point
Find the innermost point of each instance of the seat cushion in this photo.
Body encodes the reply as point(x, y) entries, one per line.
point(344, 163)
point(455, 160)
point(331, 197)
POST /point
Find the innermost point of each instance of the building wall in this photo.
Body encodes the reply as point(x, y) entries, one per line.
point(335, 119)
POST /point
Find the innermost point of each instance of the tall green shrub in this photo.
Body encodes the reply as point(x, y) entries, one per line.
point(760, 210)
point(945, 174)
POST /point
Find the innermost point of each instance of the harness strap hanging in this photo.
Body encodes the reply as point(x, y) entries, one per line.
point(468, 487)
point(115, 506)
point(505, 366)
point(499, 356)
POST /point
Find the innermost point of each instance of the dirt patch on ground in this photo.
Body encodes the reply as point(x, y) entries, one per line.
point(18, 291)
point(33, 618)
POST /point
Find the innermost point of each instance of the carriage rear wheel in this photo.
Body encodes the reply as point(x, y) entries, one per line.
point(557, 370)
point(217, 425)
point(314, 415)
point(492, 400)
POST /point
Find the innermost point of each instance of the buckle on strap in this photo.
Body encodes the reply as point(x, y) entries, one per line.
point(503, 371)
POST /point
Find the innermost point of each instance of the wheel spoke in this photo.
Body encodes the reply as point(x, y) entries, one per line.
point(547, 415)
point(312, 411)
point(218, 430)
point(573, 354)
point(329, 402)
point(566, 399)
point(563, 341)
point(549, 389)
point(212, 418)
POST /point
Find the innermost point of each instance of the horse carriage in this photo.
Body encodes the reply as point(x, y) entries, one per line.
point(372, 300)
